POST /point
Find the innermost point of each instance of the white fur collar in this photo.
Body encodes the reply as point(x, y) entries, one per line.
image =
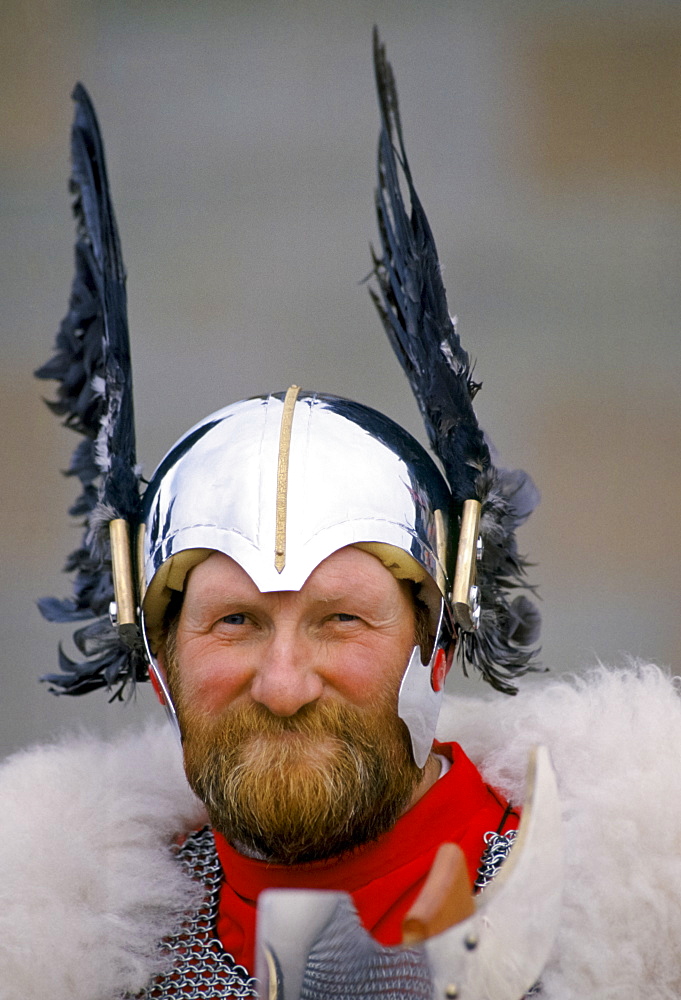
point(88, 886)
point(615, 741)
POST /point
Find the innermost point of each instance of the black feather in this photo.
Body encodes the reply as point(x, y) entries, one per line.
point(94, 396)
point(411, 300)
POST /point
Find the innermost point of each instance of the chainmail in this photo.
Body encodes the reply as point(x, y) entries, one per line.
point(199, 966)
point(346, 963)
point(497, 850)
point(341, 966)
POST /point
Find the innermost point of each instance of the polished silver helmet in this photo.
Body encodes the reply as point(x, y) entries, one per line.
point(280, 482)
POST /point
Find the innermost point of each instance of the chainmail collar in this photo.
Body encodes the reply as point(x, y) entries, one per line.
point(198, 965)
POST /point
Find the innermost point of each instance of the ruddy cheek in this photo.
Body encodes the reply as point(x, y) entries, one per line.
point(362, 680)
point(209, 684)
point(213, 695)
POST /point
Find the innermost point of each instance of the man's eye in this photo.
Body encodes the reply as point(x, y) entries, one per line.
point(343, 617)
point(236, 619)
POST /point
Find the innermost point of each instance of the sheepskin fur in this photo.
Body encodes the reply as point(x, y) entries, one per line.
point(88, 884)
point(615, 742)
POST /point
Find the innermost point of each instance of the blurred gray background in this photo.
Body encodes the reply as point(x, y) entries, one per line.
point(545, 139)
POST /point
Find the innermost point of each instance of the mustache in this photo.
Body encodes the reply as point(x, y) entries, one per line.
point(318, 720)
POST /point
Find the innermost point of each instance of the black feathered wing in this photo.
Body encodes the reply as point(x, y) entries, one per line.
point(412, 303)
point(94, 396)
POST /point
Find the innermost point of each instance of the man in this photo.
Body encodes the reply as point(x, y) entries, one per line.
point(304, 576)
point(286, 665)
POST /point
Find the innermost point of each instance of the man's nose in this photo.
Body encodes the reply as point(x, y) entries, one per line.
point(286, 679)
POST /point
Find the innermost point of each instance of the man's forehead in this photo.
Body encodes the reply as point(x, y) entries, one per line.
point(340, 573)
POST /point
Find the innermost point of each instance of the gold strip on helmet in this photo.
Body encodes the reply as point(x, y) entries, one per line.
point(282, 476)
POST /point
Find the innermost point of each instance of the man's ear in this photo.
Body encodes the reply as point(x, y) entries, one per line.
point(442, 664)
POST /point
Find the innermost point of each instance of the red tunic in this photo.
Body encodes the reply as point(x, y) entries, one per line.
point(384, 876)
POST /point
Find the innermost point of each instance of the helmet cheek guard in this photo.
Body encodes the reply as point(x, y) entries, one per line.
point(422, 689)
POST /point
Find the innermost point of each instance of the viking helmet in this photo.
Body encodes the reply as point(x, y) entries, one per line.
point(280, 482)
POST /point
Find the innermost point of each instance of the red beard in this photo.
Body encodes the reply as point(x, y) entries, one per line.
point(301, 788)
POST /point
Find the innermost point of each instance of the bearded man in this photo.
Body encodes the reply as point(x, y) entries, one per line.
point(296, 581)
point(287, 704)
point(302, 656)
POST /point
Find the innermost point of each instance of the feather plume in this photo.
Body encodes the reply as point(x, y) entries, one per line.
point(411, 300)
point(94, 396)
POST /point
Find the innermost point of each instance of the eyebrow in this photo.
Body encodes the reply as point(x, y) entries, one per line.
point(348, 596)
point(207, 601)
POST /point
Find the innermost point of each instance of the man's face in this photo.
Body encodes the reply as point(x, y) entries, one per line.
point(287, 704)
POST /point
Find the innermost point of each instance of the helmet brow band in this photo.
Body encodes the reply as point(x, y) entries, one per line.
point(282, 476)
